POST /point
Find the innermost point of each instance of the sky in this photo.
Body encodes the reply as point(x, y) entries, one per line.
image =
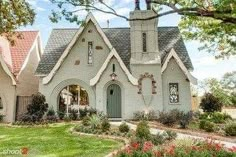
point(205, 65)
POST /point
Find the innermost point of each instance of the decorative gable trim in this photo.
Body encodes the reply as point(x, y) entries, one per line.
point(112, 54)
point(89, 17)
point(173, 54)
point(37, 45)
point(7, 70)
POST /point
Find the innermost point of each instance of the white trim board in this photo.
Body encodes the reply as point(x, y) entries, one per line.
point(173, 54)
point(7, 70)
point(89, 17)
point(113, 53)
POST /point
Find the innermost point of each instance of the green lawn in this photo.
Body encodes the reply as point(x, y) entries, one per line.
point(54, 141)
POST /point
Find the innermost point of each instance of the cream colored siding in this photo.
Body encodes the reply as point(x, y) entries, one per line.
point(7, 93)
point(173, 74)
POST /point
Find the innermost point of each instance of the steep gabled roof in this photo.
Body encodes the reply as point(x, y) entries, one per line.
point(168, 38)
point(20, 49)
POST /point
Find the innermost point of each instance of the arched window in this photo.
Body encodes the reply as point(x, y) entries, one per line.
point(72, 97)
point(1, 104)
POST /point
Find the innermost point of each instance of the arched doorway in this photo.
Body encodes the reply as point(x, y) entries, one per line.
point(71, 98)
point(114, 101)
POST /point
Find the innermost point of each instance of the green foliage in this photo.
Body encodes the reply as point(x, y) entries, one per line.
point(60, 114)
point(173, 117)
point(51, 115)
point(170, 135)
point(85, 121)
point(105, 125)
point(207, 125)
point(86, 112)
point(36, 109)
point(124, 128)
point(67, 118)
point(143, 130)
point(94, 122)
point(142, 115)
point(14, 14)
point(230, 129)
point(216, 117)
point(74, 114)
point(1, 117)
point(210, 103)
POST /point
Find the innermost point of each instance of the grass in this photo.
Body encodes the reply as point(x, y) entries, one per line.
point(54, 141)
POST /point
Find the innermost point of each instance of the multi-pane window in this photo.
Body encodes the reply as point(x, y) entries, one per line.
point(1, 105)
point(90, 52)
point(174, 92)
point(144, 36)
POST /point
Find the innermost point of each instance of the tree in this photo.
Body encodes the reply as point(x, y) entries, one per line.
point(212, 22)
point(14, 14)
point(210, 103)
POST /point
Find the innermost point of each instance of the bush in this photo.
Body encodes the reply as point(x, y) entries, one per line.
point(141, 115)
point(83, 112)
point(210, 103)
point(74, 114)
point(67, 118)
point(85, 121)
point(94, 122)
point(60, 114)
point(36, 109)
point(51, 115)
point(158, 139)
point(169, 118)
point(143, 130)
point(124, 128)
point(170, 135)
point(1, 117)
point(105, 125)
point(207, 125)
point(216, 117)
point(230, 129)
point(185, 119)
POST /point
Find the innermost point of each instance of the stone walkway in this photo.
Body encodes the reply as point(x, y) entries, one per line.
point(179, 135)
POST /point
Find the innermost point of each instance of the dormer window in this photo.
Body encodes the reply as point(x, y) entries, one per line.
point(90, 52)
point(144, 36)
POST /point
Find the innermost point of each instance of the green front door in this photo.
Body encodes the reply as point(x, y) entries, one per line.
point(114, 101)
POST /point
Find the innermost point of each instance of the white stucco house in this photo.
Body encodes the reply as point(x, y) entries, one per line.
point(17, 79)
point(117, 70)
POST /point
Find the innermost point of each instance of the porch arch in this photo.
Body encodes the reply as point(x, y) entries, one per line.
point(54, 97)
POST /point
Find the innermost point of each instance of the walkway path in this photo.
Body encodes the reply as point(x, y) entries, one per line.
point(179, 135)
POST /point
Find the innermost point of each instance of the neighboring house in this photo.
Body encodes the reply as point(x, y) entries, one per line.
point(117, 70)
point(18, 64)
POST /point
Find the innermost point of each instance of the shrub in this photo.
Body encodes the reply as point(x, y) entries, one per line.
point(67, 118)
point(124, 128)
point(92, 111)
point(1, 117)
point(202, 124)
point(158, 139)
point(83, 112)
point(185, 119)
point(142, 115)
point(85, 121)
point(94, 121)
point(74, 114)
point(209, 126)
point(210, 103)
point(143, 130)
point(105, 125)
point(36, 109)
point(215, 117)
point(170, 135)
point(60, 114)
point(230, 129)
point(51, 115)
point(169, 118)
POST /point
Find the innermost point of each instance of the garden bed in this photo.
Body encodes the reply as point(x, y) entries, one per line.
point(189, 131)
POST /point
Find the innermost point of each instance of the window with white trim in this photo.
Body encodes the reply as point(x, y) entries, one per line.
point(90, 52)
point(174, 93)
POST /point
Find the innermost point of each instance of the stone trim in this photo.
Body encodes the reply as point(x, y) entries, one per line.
point(150, 76)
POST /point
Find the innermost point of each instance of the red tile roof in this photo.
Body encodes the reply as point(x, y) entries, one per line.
point(21, 48)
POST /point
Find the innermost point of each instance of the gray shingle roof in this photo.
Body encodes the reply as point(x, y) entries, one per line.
point(169, 37)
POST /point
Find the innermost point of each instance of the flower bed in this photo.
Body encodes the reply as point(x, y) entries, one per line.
point(207, 148)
